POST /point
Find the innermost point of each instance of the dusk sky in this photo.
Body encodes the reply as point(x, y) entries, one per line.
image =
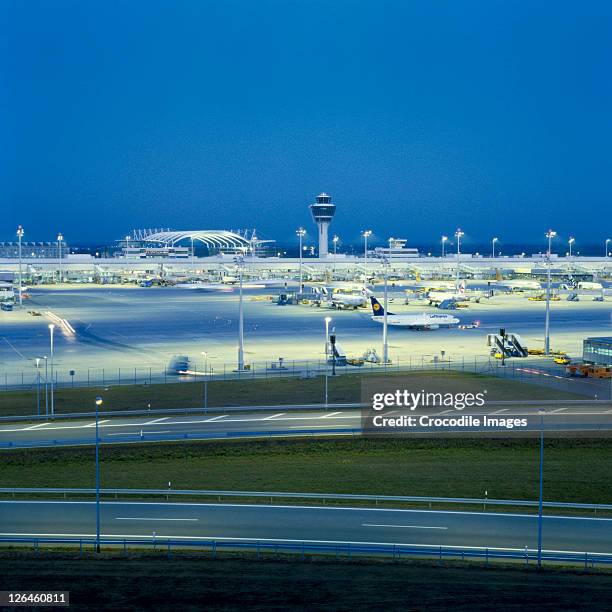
point(418, 117)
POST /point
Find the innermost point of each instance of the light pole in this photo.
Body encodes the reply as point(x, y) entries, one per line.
point(60, 238)
point(444, 239)
point(493, 247)
point(37, 361)
point(20, 236)
point(385, 342)
point(608, 240)
point(366, 234)
point(458, 235)
point(550, 234)
point(51, 328)
point(192, 254)
point(301, 232)
point(540, 502)
point(98, 404)
point(327, 322)
point(240, 263)
point(205, 355)
point(335, 242)
point(570, 242)
point(46, 386)
point(127, 245)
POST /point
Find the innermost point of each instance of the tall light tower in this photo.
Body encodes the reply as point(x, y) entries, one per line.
point(20, 237)
point(570, 242)
point(60, 238)
point(323, 212)
point(444, 239)
point(493, 247)
point(608, 241)
point(366, 234)
point(458, 236)
point(550, 234)
point(301, 232)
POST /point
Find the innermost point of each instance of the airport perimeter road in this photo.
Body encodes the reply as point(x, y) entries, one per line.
point(303, 524)
point(264, 424)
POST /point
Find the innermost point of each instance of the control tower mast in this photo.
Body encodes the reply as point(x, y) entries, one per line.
point(322, 213)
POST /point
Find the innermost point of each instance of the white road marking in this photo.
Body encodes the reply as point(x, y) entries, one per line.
point(557, 410)
point(403, 526)
point(156, 421)
point(146, 518)
point(137, 433)
point(331, 414)
point(500, 411)
point(214, 418)
point(269, 418)
point(33, 427)
point(99, 423)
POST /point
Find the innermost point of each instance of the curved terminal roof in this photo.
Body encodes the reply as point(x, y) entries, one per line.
point(218, 239)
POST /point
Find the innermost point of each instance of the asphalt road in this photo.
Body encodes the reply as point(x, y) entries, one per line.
point(304, 523)
point(264, 424)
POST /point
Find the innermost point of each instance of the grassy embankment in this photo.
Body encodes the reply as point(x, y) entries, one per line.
point(190, 582)
point(253, 392)
point(575, 470)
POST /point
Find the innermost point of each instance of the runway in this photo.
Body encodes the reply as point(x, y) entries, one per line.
point(303, 524)
point(572, 417)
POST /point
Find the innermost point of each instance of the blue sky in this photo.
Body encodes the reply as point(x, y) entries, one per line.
point(418, 117)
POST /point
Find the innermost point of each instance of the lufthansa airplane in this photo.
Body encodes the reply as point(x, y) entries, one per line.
point(412, 321)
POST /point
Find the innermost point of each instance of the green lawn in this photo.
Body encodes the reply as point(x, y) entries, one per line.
point(197, 582)
point(251, 392)
point(575, 470)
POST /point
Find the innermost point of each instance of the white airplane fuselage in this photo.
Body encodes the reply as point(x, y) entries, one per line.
point(418, 321)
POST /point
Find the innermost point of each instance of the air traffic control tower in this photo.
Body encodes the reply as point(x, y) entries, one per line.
point(323, 212)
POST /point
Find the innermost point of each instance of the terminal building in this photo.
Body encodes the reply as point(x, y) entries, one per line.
point(33, 250)
point(597, 351)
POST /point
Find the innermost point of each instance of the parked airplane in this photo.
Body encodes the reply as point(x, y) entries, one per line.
point(412, 321)
point(437, 297)
point(343, 299)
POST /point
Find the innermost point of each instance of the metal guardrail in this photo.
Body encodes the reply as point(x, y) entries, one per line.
point(344, 549)
point(299, 495)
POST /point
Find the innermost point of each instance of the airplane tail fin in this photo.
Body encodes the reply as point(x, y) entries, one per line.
point(462, 287)
point(377, 308)
point(498, 275)
point(417, 276)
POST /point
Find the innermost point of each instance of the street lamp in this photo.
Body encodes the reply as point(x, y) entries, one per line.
point(458, 234)
point(301, 232)
point(60, 238)
point(98, 404)
point(240, 263)
point(46, 385)
point(366, 234)
point(205, 355)
point(327, 322)
point(608, 240)
point(385, 308)
point(37, 361)
point(493, 246)
point(444, 239)
point(335, 241)
point(127, 245)
point(550, 234)
point(20, 236)
point(541, 488)
point(570, 242)
point(51, 328)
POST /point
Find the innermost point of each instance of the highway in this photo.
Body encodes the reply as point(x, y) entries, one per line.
point(264, 424)
point(205, 522)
